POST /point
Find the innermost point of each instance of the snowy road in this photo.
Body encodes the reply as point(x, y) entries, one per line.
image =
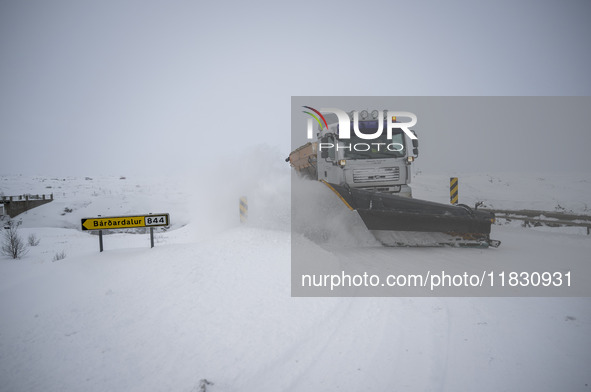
point(214, 302)
point(162, 319)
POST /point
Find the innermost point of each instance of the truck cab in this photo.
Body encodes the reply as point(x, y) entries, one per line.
point(377, 165)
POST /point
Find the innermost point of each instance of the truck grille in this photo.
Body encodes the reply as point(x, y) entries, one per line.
point(376, 175)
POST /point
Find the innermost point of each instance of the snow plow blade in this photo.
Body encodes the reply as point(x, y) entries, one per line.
point(402, 221)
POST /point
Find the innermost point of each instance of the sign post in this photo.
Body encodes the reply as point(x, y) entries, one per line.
point(101, 223)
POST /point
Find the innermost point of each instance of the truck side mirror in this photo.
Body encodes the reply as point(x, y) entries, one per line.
point(415, 145)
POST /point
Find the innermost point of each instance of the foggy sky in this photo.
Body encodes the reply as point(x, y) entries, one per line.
point(481, 134)
point(138, 87)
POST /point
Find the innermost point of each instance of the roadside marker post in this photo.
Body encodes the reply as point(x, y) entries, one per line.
point(243, 209)
point(101, 223)
point(453, 190)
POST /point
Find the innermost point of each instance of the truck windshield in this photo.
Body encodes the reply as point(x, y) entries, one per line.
point(381, 147)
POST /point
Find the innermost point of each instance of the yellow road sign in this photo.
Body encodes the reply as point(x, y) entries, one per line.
point(125, 222)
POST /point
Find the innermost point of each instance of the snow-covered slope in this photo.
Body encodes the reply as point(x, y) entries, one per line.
point(560, 192)
point(212, 299)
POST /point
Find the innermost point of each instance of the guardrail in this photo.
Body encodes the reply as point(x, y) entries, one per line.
point(548, 218)
point(15, 205)
point(27, 196)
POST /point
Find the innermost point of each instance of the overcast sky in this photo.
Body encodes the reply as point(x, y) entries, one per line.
point(135, 87)
point(481, 134)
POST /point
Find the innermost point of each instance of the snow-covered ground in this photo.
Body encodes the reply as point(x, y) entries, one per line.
point(560, 192)
point(213, 300)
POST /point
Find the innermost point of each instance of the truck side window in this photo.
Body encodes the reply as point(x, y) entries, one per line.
point(331, 151)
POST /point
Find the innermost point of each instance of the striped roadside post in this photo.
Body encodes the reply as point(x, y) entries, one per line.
point(243, 209)
point(453, 190)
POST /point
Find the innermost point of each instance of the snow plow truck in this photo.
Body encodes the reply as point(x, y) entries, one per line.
point(372, 177)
